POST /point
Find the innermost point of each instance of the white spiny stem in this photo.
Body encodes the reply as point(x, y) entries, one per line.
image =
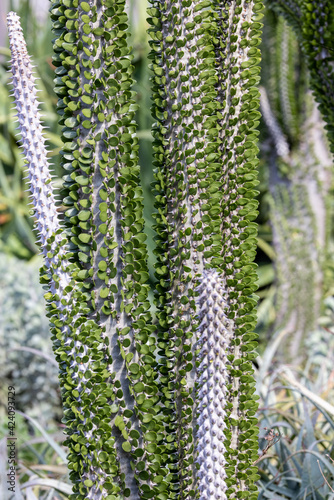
point(215, 331)
point(35, 152)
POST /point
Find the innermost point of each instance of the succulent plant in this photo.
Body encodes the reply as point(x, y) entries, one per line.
point(160, 403)
point(138, 390)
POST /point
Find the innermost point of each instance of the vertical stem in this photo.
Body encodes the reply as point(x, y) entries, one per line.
point(237, 58)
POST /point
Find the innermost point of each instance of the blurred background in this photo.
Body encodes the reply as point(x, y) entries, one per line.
point(294, 370)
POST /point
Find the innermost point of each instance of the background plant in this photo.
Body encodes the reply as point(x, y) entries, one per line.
point(26, 354)
point(42, 466)
point(296, 406)
point(300, 171)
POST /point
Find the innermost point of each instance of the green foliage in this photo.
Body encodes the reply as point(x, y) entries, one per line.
point(41, 465)
point(98, 295)
point(300, 173)
point(100, 149)
point(206, 174)
point(297, 464)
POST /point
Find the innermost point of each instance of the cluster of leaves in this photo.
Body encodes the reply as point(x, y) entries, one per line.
point(206, 168)
point(313, 23)
point(100, 151)
point(299, 170)
point(295, 465)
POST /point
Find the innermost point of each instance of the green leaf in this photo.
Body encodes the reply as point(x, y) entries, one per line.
point(126, 446)
point(151, 436)
point(85, 6)
point(134, 368)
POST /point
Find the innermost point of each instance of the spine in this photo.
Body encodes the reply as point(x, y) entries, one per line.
point(35, 152)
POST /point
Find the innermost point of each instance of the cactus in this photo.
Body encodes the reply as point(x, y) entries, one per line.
point(155, 405)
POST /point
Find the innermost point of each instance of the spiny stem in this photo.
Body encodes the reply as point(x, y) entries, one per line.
point(215, 333)
point(35, 151)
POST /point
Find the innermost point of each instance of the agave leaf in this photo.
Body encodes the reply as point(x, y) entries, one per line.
point(275, 488)
point(3, 178)
point(4, 51)
point(325, 414)
point(58, 469)
point(49, 483)
point(266, 310)
point(287, 375)
point(48, 438)
point(310, 437)
point(311, 474)
point(297, 464)
point(5, 152)
point(269, 353)
point(291, 477)
point(266, 275)
point(313, 470)
point(300, 439)
point(24, 230)
point(269, 494)
point(30, 494)
point(322, 459)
